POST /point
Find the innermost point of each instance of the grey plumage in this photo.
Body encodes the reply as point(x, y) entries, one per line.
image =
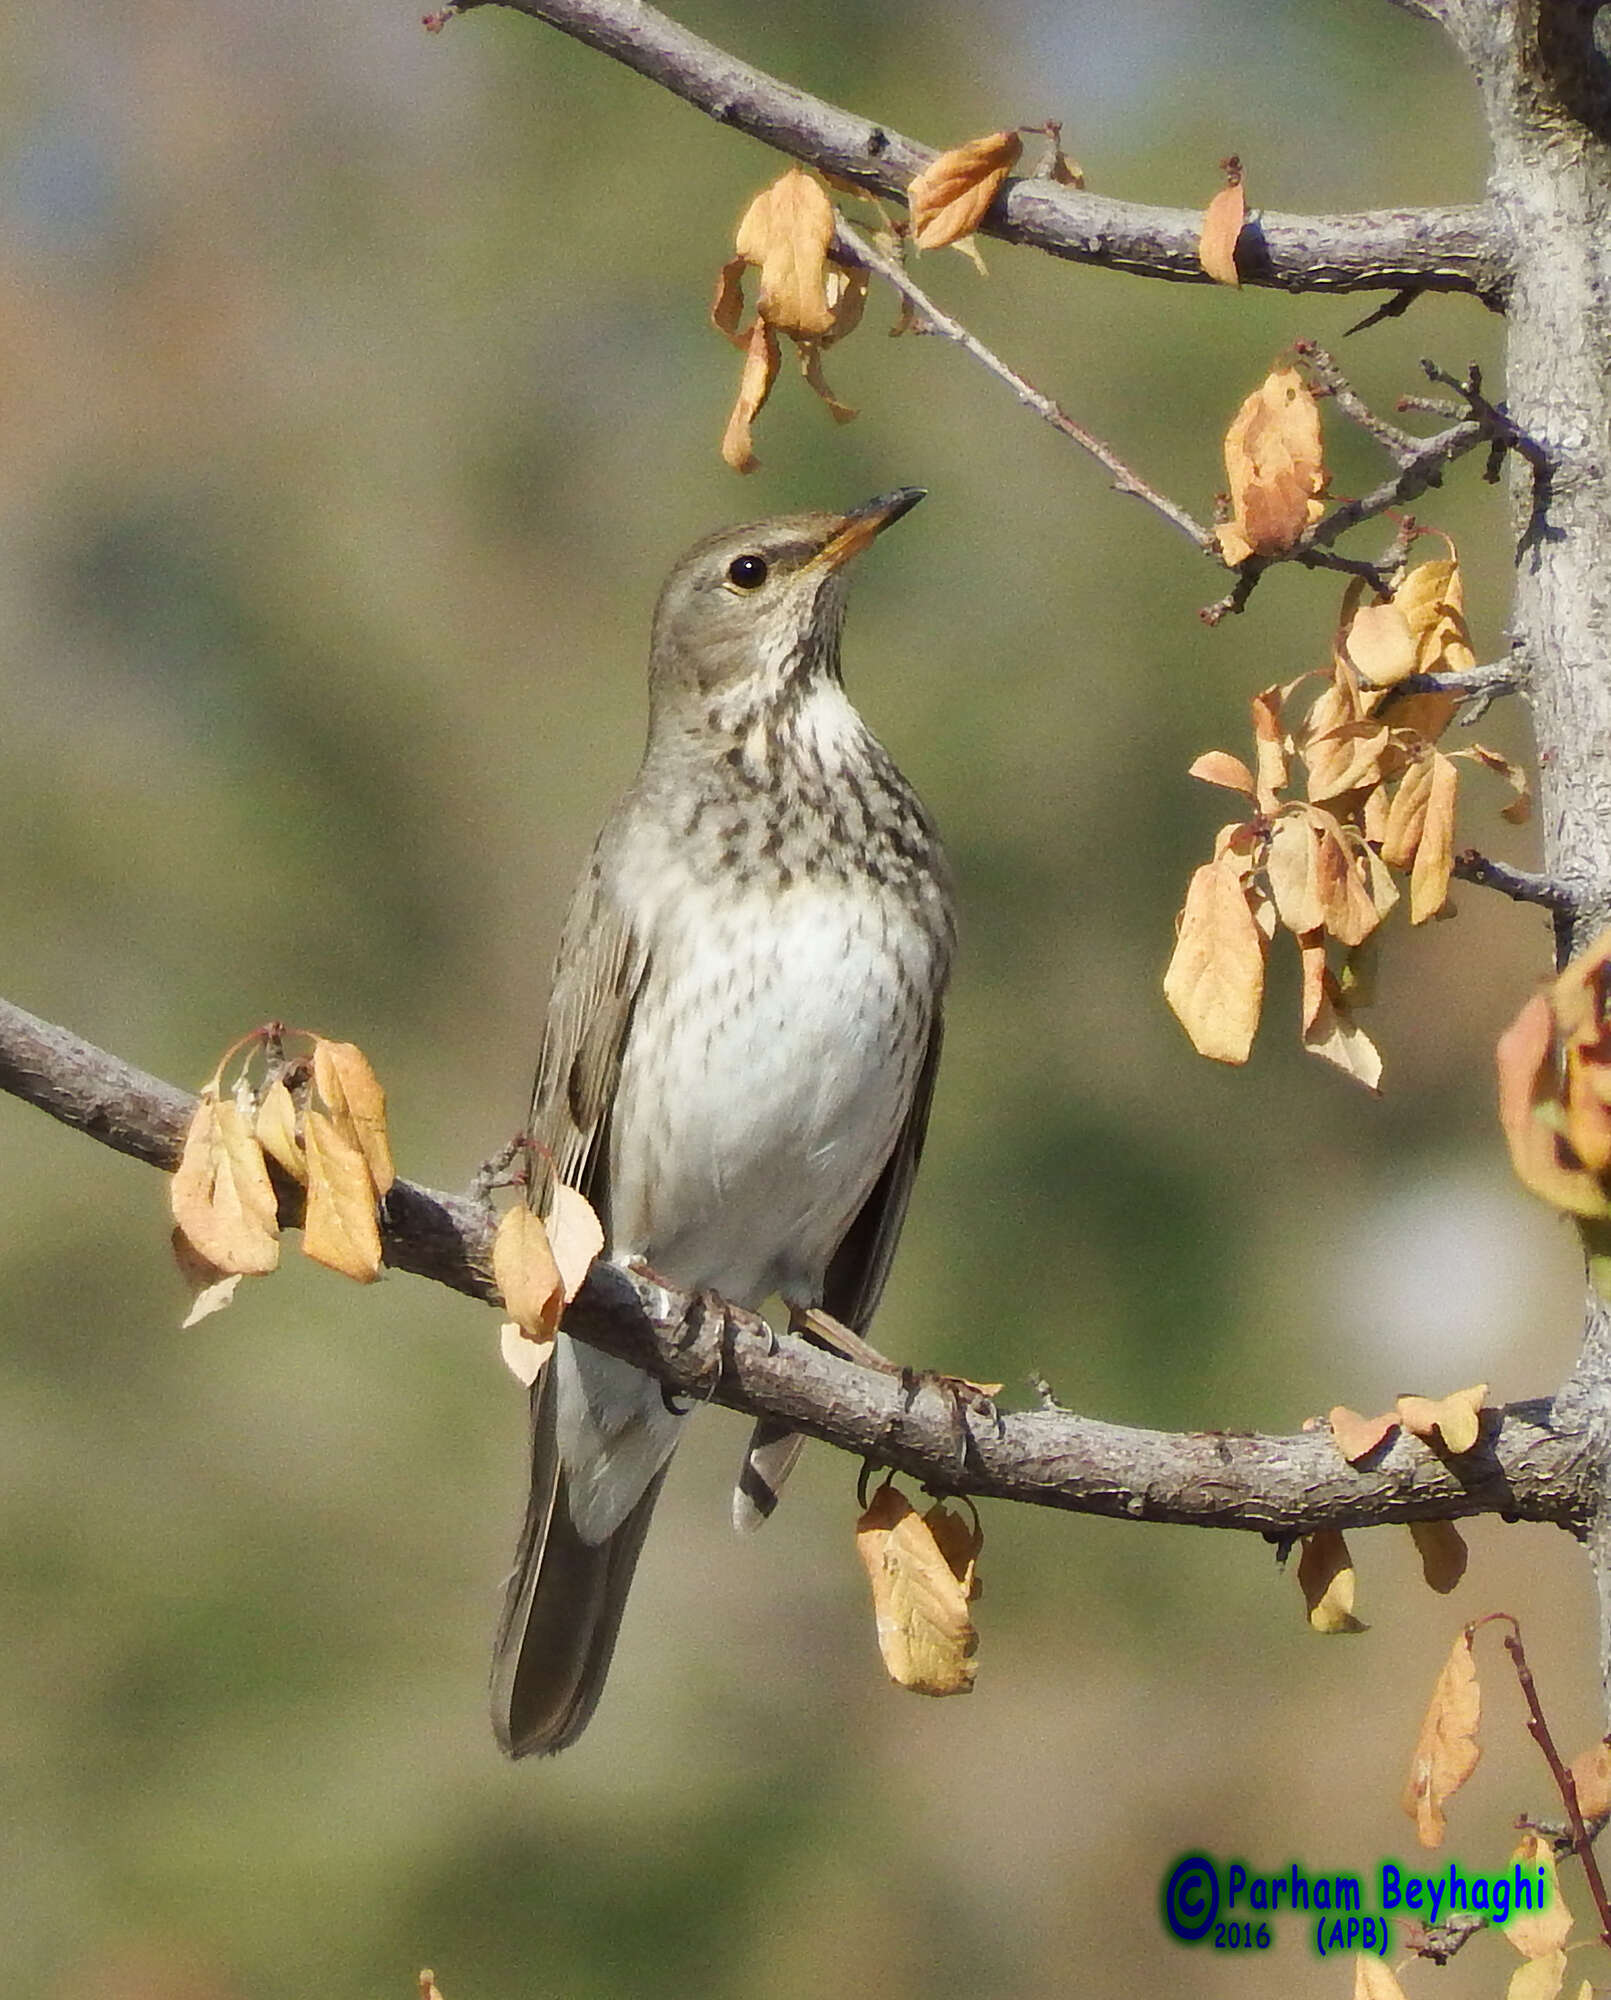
point(738, 1057)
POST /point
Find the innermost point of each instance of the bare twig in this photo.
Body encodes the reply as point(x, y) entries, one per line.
point(1484, 684)
point(1434, 249)
point(853, 249)
point(1517, 883)
point(1532, 1465)
point(1400, 445)
point(1565, 1783)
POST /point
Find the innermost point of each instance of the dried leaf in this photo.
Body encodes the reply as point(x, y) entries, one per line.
point(811, 367)
point(221, 1196)
point(527, 1273)
point(1528, 1091)
point(959, 1537)
point(340, 1228)
point(275, 1129)
point(1446, 1751)
point(1274, 464)
point(523, 1354)
point(1222, 225)
point(1539, 1978)
point(1406, 815)
point(925, 1634)
point(1336, 1037)
point(1326, 1578)
point(575, 1237)
point(1379, 644)
point(786, 231)
point(1434, 851)
point(210, 1289)
point(1520, 809)
point(761, 361)
point(949, 198)
point(1291, 867)
point(1270, 744)
point(1219, 767)
point(1540, 1933)
point(353, 1097)
point(1443, 1553)
point(1374, 1981)
point(1215, 981)
point(1591, 1774)
point(847, 300)
point(727, 307)
point(1357, 1437)
point(1457, 1417)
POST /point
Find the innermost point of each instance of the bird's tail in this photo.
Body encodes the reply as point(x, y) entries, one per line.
point(768, 1461)
point(602, 1437)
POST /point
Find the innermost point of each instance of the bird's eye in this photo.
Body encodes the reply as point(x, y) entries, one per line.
point(747, 572)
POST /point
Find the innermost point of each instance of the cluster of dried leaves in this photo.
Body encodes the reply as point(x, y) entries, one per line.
point(923, 1572)
point(1555, 1088)
point(321, 1118)
point(810, 297)
point(539, 1263)
point(1375, 795)
point(1451, 1424)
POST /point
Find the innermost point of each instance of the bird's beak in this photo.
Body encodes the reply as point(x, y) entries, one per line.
point(861, 524)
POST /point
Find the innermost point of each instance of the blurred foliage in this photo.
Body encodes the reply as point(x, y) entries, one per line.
point(357, 395)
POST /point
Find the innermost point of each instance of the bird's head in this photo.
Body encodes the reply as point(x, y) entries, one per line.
point(753, 612)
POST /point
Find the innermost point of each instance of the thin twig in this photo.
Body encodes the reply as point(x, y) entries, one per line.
point(1518, 883)
point(1400, 445)
point(851, 247)
point(1565, 1783)
point(1474, 684)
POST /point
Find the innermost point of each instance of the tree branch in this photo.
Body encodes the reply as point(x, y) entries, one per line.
point(1454, 249)
point(1531, 1464)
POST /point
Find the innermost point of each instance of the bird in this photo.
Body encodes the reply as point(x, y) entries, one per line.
point(738, 1057)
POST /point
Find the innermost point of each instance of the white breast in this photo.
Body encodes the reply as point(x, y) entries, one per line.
point(771, 1062)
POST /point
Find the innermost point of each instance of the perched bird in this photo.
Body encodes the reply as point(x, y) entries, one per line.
point(738, 1058)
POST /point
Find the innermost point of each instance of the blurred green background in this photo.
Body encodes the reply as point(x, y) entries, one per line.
point(355, 396)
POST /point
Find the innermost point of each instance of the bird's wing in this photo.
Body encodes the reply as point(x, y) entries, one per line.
point(597, 978)
point(858, 1268)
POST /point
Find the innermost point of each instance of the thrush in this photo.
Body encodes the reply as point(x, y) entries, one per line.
point(738, 1058)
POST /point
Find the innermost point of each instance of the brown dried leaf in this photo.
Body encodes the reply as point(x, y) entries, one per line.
point(1332, 1033)
point(1222, 225)
point(1446, 1751)
point(959, 1537)
point(1274, 464)
point(1219, 767)
point(1215, 980)
point(1434, 850)
point(921, 1607)
point(353, 1097)
point(761, 360)
point(1520, 809)
point(727, 307)
point(275, 1128)
point(1443, 1553)
point(1457, 1417)
point(949, 198)
point(1379, 644)
point(847, 300)
point(1406, 815)
point(810, 352)
point(1326, 1578)
point(1374, 1981)
point(527, 1273)
point(575, 1237)
point(340, 1228)
point(1270, 745)
point(1291, 866)
point(1356, 1436)
point(1591, 1774)
point(786, 231)
point(1539, 1978)
point(221, 1196)
point(1540, 1933)
point(1528, 1091)
point(210, 1289)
